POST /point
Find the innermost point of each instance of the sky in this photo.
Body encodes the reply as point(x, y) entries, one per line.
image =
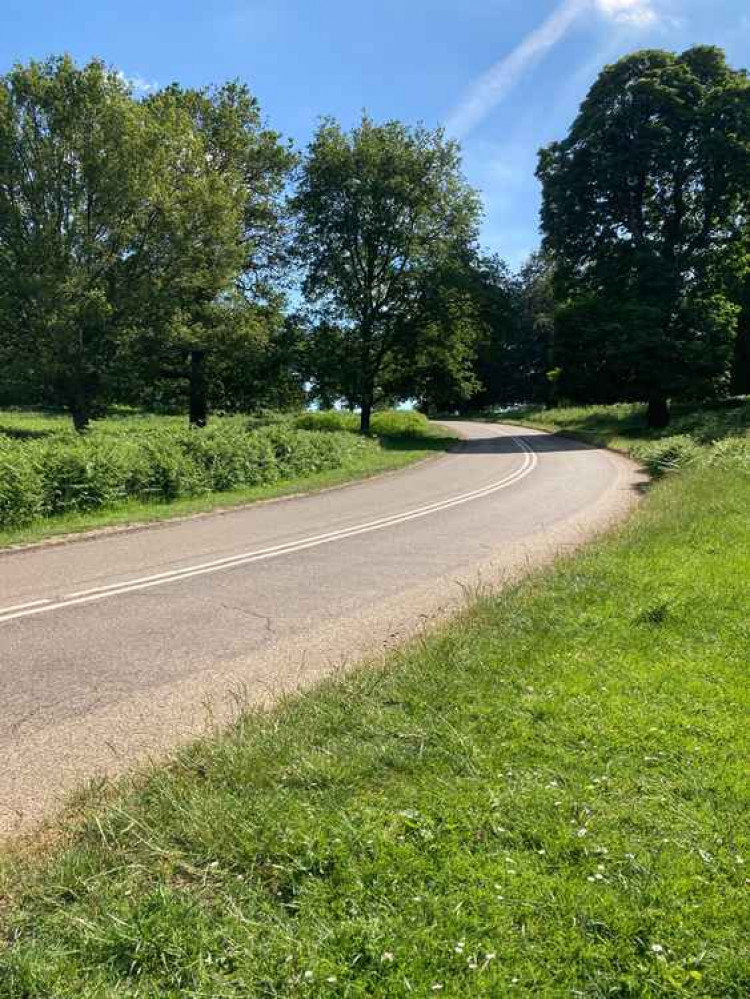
point(504, 77)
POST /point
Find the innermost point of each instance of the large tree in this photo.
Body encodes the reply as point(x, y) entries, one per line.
point(643, 203)
point(116, 216)
point(380, 211)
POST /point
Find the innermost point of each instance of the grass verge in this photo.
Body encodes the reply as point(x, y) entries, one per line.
point(624, 426)
point(547, 798)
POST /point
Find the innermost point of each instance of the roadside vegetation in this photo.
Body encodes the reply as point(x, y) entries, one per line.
point(139, 468)
point(547, 797)
point(716, 434)
point(136, 468)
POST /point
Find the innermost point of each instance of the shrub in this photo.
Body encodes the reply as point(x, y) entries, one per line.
point(20, 485)
point(385, 423)
point(66, 473)
point(304, 452)
point(329, 419)
point(229, 457)
point(733, 452)
point(668, 454)
point(162, 469)
point(80, 475)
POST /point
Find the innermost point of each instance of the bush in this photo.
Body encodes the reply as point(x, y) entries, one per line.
point(80, 475)
point(385, 423)
point(305, 452)
point(668, 454)
point(329, 419)
point(65, 473)
point(733, 452)
point(162, 469)
point(20, 485)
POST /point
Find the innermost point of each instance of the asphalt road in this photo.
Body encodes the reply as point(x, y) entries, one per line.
point(115, 648)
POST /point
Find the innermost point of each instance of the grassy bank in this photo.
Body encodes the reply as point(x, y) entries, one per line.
point(548, 798)
point(135, 468)
point(624, 426)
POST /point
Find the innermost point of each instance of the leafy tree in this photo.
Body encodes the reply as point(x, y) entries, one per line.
point(330, 374)
point(516, 312)
point(642, 205)
point(116, 216)
point(380, 210)
point(435, 361)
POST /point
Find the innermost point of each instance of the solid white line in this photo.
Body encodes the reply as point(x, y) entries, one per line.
point(317, 538)
point(31, 603)
point(146, 582)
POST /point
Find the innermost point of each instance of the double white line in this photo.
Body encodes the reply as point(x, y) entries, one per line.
point(34, 607)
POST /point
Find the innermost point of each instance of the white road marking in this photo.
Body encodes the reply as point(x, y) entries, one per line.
point(31, 603)
point(159, 579)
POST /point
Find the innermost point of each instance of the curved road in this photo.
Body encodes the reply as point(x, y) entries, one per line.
point(115, 648)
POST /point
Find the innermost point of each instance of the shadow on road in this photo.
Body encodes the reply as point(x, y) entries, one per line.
point(514, 444)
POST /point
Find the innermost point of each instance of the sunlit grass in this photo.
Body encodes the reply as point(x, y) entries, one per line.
point(625, 425)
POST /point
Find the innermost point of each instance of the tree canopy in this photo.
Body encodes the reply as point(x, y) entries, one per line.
point(380, 211)
point(117, 217)
point(643, 205)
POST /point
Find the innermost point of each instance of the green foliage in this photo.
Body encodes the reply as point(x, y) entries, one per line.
point(517, 314)
point(624, 425)
point(20, 484)
point(669, 454)
point(381, 211)
point(121, 221)
point(385, 423)
point(732, 452)
point(63, 473)
point(547, 798)
point(644, 208)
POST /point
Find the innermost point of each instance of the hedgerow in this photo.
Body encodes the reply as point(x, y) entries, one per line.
point(63, 474)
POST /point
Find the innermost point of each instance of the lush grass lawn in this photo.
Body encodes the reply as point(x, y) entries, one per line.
point(399, 439)
point(548, 798)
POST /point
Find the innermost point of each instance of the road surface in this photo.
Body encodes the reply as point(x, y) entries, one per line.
point(116, 648)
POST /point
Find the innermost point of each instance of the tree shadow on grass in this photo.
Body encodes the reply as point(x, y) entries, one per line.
point(26, 433)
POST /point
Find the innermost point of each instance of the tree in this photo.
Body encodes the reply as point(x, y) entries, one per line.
point(379, 210)
point(116, 216)
point(642, 205)
point(516, 312)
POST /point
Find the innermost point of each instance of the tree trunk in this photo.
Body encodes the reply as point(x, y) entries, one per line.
point(364, 420)
point(81, 418)
point(657, 413)
point(198, 388)
point(78, 404)
point(741, 361)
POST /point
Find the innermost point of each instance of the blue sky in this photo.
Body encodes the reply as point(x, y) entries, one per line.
point(506, 77)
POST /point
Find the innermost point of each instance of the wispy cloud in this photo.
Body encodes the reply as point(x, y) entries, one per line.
point(495, 84)
point(634, 12)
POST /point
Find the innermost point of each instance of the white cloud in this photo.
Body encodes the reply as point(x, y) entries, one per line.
point(138, 84)
point(497, 82)
point(633, 12)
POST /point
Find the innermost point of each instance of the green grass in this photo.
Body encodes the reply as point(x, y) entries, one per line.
point(400, 439)
point(547, 798)
point(624, 426)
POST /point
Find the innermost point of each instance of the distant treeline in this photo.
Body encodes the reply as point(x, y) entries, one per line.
point(136, 231)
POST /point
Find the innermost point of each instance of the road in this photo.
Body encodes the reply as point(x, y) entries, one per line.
point(116, 648)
